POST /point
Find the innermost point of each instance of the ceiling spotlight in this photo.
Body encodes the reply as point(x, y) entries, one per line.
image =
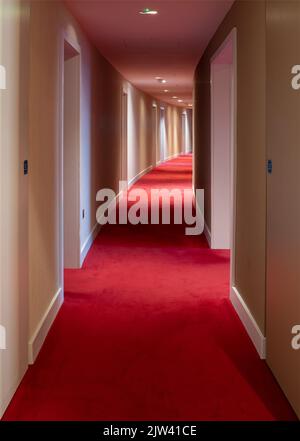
point(160, 80)
point(180, 101)
point(166, 90)
point(190, 105)
point(148, 11)
point(174, 97)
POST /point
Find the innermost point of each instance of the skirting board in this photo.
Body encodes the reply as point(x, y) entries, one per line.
point(252, 328)
point(89, 242)
point(207, 234)
point(161, 161)
point(206, 229)
point(139, 175)
point(36, 341)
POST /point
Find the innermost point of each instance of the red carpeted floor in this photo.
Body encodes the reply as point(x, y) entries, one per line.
point(147, 332)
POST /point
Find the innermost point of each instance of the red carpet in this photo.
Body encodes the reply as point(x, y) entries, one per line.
point(147, 332)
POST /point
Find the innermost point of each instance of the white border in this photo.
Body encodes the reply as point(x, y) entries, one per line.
point(252, 328)
point(133, 180)
point(36, 341)
point(89, 242)
point(207, 233)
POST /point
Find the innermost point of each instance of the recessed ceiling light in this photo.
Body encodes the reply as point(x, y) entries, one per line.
point(148, 11)
point(166, 90)
point(160, 80)
point(174, 97)
point(180, 101)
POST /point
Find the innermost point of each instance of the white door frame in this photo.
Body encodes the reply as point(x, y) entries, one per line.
point(72, 42)
point(162, 135)
point(154, 134)
point(233, 37)
point(124, 137)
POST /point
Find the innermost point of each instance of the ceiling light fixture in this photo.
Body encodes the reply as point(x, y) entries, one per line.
point(174, 97)
point(160, 80)
point(148, 11)
point(180, 101)
point(166, 90)
point(190, 105)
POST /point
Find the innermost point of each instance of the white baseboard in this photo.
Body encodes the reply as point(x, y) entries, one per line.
point(173, 156)
point(89, 242)
point(139, 175)
point(252, 328)
point(161, 161)
point(36, 341)
point(207, 234)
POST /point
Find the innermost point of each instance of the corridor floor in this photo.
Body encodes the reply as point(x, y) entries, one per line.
point(147, 332)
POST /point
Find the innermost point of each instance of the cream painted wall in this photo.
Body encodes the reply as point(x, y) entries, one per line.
point(283, 198)
point(249, 18)
point(31, 113)
point(13, 196)
point(140, 131)
point(100, 159)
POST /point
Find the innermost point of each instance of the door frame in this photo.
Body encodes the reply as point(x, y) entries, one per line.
point(162, 134)
point(124, 137)
point(232, 36)
point(154, 134)
point(75, 45)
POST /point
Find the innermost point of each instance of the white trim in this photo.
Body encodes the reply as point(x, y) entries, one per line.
point(207, 234)
point(175, 155)
point(252, 328)
point(89, 242)
point(36, 341)
point(139, 175)
point(232, 36)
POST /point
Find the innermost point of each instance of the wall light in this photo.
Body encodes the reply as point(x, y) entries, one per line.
point(148, 11)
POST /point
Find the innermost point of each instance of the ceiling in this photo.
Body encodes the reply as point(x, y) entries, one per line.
point(142, 47)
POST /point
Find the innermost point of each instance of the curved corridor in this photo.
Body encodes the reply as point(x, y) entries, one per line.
point(147, 332)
